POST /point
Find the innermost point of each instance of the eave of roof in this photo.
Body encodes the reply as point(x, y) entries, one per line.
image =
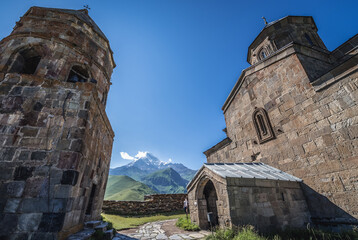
point(218, 146)
point(247, 171)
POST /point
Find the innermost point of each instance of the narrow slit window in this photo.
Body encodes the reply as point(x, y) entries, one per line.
point(78, 74)
point(309, 40)
point(262, 125)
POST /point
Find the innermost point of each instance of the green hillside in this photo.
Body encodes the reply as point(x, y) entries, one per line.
point(124, 188)
point(166, 181)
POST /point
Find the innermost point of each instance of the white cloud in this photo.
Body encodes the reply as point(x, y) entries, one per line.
point(126, 156)
point(140, 154)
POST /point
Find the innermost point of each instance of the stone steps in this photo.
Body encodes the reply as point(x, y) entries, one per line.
point(91, 228)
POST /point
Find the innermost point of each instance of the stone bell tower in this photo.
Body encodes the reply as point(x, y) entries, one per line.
point(55, 137)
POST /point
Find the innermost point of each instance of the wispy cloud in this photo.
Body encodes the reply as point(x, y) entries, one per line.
point(126, 156)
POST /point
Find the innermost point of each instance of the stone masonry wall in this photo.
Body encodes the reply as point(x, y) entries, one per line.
point(50, 155)
point(55, 137)
point(198, 204)
point(267, 204)
point(157, 203)
point(316, 131)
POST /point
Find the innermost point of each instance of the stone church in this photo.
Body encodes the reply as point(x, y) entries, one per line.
point(291, 153)
point(56, 139)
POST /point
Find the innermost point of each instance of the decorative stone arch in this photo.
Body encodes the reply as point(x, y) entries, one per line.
point(206, 196)
point(25, 59)
point(262, 125)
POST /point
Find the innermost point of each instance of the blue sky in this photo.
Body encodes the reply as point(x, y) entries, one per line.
point(177, 61)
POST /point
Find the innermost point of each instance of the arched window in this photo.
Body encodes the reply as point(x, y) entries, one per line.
point(78, 74)
point(262, 54)
point(25, 61)
point(262, 125)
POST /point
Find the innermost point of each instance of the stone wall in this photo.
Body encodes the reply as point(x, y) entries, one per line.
point(158, 203)
point(266, 204)
point(198, 204)
point(314, 122)
point(56, 139)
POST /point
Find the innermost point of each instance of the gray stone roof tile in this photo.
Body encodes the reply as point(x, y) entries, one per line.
point(250, 170)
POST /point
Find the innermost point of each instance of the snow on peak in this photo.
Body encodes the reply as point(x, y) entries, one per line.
point(167, 162)
point(146, 157)
point(141, 155)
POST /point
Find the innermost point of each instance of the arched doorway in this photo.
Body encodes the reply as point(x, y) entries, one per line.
point(207, 198)
point(211, 198)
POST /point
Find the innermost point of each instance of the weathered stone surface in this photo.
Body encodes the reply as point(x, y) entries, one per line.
point(152, 204)
point(11, 205)
point(51, 222)
point(23, 173)
point(310, 96)
point(69, 177)
point(53, 130)
point(29, 222)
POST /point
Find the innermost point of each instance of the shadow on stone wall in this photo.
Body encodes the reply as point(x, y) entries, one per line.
point(324, 212)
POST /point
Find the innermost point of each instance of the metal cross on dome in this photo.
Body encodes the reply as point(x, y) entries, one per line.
point(264, 20)
point(87, 7)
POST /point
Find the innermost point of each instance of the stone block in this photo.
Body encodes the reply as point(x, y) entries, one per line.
point(29, 222)
point(38, 107)
point(24, 155)
point(62, 191)
point(51, 222)
point(34, 205)
point(23, 173)
point(12, 205)
point(16, 91)
point(11, 104)
point(15, 189)
point(69, 177)
point(18, 236)
point(43, 236)
point(38, 155)
point(8, 223)
point(6, 173)
point(36, 187)
point(7, 154)
point(68, 160)
point(58, 205)
point(76, 145)
point(29, 131)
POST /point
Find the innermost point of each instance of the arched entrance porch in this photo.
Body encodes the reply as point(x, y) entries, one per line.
point(207, 202)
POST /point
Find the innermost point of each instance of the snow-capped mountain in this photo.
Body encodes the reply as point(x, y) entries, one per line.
point(145, 164)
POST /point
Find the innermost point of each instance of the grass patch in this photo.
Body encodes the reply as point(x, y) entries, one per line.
point(186, 224)
point(126, 222)
point(249, 233)
point(244, 233)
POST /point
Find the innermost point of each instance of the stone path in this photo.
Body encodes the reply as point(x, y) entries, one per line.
point(159, 230)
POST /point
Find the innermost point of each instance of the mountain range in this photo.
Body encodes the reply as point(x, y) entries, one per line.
point(124, 188)
point(159, 176)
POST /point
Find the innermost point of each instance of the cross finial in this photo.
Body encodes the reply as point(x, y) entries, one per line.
point(264, 20)
point(87, 7)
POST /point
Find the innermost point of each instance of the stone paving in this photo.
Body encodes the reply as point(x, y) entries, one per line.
point(154, 230)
